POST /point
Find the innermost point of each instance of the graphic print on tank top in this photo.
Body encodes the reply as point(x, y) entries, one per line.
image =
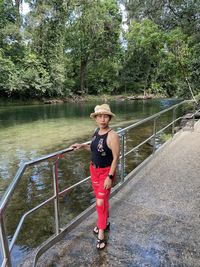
point(100, 145)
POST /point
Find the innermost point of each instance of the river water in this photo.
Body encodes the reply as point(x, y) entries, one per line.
point(30, 131)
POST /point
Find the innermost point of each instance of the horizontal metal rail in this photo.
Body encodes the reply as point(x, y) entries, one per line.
point(22, 169)
point(24, 217)
point(56, 156)
point(150, 138)
point(153, 116)
point(73, 186)
point(40, 206)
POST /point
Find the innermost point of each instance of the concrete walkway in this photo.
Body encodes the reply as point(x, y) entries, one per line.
point(155, 219)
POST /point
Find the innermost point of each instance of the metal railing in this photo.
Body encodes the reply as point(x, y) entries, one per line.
point(7, 248)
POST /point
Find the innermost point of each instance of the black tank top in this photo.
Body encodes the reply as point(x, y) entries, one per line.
point(101, 154)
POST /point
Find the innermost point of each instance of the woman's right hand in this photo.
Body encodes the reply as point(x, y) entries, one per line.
point(76, 146)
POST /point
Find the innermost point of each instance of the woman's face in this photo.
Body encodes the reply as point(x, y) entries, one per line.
point(102, 120)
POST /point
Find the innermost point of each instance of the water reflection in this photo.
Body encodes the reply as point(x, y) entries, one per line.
point(27, 132)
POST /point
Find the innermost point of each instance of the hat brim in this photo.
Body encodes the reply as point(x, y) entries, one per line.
point(93, 115)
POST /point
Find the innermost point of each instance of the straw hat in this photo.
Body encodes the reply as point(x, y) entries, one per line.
point(102, 109)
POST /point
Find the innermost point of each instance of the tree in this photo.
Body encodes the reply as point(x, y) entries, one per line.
point(169, 14)
point(94, 44)
point(12, 48)
point(143, 56)
point(174, 71)
point(63, 47)
point(10, 35)
point(46, 29)
point(177, 19)
point(7, 72)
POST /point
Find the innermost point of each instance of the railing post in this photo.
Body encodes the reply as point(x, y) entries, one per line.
point(154, 134)
point(173, 119)
point(56, 194)
point(122, 160)
point(4, 244)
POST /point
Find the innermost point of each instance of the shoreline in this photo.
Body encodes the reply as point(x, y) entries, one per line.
point(80, 98)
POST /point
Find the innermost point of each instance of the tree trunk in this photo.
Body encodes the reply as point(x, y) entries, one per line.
point(18, 4)
point(83, 74)
point(191, 90)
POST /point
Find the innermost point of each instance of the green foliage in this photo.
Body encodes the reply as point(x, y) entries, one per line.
point(197, 97)
point(175, 63)
point(165, 137)
point(7, 76)
point(102, 76)
point(194, 66)
point(177, 70)
point(98, 45)
point(143, 56)
point(188, 107)
point(35, 80)
point(64, 47)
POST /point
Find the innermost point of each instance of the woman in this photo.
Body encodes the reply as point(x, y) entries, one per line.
point(105, 148)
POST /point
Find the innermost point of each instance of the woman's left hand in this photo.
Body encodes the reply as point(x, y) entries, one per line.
point(107, 183)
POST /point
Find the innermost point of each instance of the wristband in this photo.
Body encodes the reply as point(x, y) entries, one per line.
point(111, 176)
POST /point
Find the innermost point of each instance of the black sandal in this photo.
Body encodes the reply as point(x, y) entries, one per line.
point(99, 242)
point(96, 229)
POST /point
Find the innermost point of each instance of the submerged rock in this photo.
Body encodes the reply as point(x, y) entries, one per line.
point(53, 101)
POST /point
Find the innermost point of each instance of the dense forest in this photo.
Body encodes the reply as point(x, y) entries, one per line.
point(61, 48)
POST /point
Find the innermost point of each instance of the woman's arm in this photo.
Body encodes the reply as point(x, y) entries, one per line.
point(77, 146)
point(114, 144)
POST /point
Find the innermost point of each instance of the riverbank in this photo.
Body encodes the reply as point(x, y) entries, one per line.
point(79, 98)
point(102, 98)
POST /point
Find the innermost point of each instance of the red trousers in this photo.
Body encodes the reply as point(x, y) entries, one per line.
point(98, 176)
